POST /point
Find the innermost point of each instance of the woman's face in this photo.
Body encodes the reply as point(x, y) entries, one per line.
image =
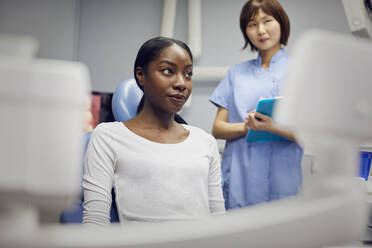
point(263, 31)
point(167, 83)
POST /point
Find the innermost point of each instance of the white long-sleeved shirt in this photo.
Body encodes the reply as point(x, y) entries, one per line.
point(153, 181)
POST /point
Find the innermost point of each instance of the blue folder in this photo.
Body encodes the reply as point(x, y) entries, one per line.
point(264, 106)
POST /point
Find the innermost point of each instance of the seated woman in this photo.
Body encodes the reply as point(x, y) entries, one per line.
point(161, 170)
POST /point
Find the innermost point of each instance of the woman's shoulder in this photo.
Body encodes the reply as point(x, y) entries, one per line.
point(200, 133)
point(195, 129)
point(108, 128)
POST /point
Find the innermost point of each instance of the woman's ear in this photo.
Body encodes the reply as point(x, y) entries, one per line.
point(140, 74)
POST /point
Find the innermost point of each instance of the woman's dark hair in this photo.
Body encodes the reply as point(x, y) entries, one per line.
point(270, 7)
point(149, 52)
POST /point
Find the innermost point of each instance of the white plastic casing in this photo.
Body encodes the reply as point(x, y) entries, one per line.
point(329, 86)
point(360, 23)
point(41, 111)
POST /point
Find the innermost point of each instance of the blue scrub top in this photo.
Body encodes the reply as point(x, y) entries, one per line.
point(256, 172)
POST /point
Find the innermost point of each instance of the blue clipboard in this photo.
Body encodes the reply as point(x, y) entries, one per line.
point(266, 107)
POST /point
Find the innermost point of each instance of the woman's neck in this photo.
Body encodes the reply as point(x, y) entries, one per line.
point(266, 55)
point(156, 119)
point(158, 126)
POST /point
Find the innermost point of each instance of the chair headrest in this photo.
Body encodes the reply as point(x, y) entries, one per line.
point(125, 100)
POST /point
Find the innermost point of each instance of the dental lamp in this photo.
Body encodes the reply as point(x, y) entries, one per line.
point(326, 101)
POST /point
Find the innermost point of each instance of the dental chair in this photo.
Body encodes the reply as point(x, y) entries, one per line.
point(125, 100)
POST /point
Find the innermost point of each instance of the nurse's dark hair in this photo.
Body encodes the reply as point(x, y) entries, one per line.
point(149, 52)
point(270, 7)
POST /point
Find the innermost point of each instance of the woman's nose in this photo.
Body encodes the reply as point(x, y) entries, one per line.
point(260, 29)
point(180, 83)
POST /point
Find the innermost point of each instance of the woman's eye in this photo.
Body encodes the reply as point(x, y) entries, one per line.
point(268, 20)
point(188, 74)
point(251, 25)
point(167, 71)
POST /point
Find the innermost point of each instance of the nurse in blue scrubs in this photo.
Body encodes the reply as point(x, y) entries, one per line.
point(256, 172)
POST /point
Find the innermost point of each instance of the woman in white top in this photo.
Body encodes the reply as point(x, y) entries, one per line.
point(160, 170)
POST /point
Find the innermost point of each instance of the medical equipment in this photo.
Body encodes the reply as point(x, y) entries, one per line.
point(342, 102)
point(45, 132)
point(42, 110)
point(18, 46)
point(359, 16)
point(194, 10)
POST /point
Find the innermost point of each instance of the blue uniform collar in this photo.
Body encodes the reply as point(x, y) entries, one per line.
point(279, 55)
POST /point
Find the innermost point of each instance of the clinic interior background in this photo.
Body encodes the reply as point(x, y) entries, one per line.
point(106, 35)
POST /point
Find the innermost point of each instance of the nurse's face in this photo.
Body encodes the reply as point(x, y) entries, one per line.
point(263, 31)
point(167, 83)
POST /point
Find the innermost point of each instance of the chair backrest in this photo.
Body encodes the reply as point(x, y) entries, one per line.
point(125, 100)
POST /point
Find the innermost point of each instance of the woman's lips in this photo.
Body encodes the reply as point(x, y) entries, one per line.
point(177, 98)
point(263, 40)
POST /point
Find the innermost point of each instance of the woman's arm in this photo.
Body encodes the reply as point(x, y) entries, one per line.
point(215, 196)
point(222, 129)
point(98, 179)
point(265, 123)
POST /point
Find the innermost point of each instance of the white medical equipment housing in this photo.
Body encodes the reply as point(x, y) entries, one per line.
point(327, 98)
point(18, 46)
point(332, 212)
point(359, 17)
point(41, 109)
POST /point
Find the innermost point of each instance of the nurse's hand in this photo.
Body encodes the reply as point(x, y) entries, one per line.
point(258, 121)
point(246, 123)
